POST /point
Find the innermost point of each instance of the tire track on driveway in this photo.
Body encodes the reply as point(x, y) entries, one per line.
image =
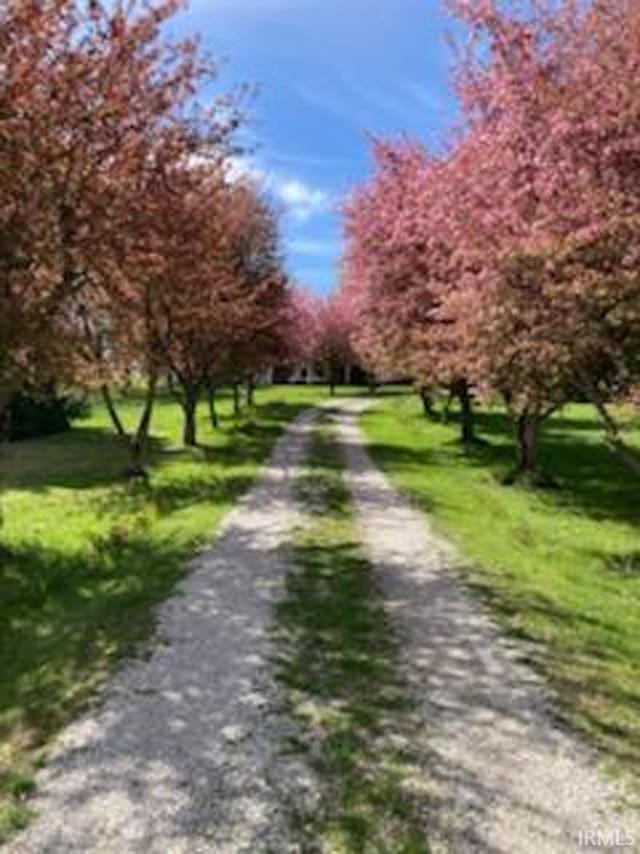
point(183, 752)
point(503, 777)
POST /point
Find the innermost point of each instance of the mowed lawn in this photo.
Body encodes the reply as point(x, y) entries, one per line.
point(560, 568)
point(85, 556)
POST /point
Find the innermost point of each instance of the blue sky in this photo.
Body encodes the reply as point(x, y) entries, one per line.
point(329, 73)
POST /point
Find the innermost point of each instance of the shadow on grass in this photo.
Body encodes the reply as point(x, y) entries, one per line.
point(510, 604)
point(591, 478)
point(87, 457)
point(59, 607)
point(596, 678)
point(175, 495)
point(339, 655)
point(623, 566)
point(341, 649)
point(69, 616)
point(83, 458)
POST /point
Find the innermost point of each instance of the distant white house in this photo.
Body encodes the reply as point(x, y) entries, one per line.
point(311, 374)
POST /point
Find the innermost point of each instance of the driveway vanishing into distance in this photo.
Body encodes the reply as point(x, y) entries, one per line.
point(184, 750)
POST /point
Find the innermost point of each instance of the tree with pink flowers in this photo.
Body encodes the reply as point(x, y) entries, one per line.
point(321, 332)
point(334, 350)
point(508, 264)
point(405, 270)
point(558, 102)
point(303, 331)
point(96, 103)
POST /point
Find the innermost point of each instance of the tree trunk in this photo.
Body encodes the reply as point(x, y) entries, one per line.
point(427, 403)
point(613, 434)
point(113, 412)
point(527, 427)
point(446, 412)
point(5, 433)
point(138, 443)
point(5, 423)
point(213, 413)
point(626, 455)
point(236, 400)
point(332, 388)
point(6, 396)
point(189, 407)
point(137, 457)
point(348, 374)
point(466, 412)
point(251, 387)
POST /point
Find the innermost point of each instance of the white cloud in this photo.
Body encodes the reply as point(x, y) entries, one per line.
point(301, 200)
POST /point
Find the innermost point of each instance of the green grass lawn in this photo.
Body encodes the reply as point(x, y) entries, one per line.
point(85, 556)
point(559, 567)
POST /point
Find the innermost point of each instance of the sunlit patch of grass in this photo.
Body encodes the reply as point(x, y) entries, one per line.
point(15, 788)
point(85, 556)
point(339, 665)
point(558, 567)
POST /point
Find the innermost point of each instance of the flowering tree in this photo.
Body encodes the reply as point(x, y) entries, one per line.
point(333, 347)
point(408, 253)
point(214, 296)
point(321, 331)
point(192, 285)
point(94, 106)
point(508, 264)
point(259, 340)
point(558, 101)
point(303, 325)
